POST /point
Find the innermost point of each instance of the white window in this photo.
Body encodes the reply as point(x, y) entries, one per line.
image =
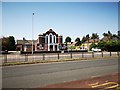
point(50, 38)
point(54, 39)
point(46, 39)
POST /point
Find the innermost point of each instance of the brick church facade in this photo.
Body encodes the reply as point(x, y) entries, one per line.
point(49, 41)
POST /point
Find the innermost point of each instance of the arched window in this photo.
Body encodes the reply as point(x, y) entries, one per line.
point(54, 39)
point(46, 39)
point(50, 38)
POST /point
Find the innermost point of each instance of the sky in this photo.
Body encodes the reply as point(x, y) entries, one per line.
point(74, 19)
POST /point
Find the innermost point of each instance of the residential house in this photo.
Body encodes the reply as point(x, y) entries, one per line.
point(25, 45)
point(86, 44)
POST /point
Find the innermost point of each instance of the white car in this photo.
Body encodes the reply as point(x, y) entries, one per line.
point(96, 50)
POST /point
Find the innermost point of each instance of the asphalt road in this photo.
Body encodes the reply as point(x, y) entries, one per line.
point(39, 75)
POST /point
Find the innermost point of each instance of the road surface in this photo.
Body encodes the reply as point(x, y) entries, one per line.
point(40, 75)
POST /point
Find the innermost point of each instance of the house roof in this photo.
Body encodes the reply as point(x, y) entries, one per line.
point(25, 41)
point(92, 40)
point(107, 39)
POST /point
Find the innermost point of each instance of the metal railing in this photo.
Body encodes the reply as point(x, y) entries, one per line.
point(5, 58)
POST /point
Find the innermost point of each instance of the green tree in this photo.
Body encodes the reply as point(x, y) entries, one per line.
point(93, 45)
point(12, 46)
point(87, 38)
point(108, 35)
point(78, 41)
point(5, 43)
point(115, 36)
point(102, 45)
point(113, 45)
point(95, 36)
point(8, 43)
point(83, 39)
point(68, 39)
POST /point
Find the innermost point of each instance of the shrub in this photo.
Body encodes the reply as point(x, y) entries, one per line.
point(93, 45)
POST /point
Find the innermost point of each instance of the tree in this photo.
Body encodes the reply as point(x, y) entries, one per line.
point(78, 41)
point(68, 39)
point(108, 35)
point(115, 36)
point(94, 36)
point(11, 43)
point(8, 43)
point(93, 45)
point(87, 38)
point(83, 39)
point(102, 45)
point(5, 43)
point(113, 45)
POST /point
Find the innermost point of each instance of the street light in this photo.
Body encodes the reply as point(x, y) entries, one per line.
point(32, 30)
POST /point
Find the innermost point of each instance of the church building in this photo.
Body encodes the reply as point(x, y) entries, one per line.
point(49, 41)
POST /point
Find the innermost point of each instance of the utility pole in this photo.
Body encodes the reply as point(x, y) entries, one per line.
point(32, 31)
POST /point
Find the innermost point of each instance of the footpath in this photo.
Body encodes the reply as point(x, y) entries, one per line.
point(107, 82)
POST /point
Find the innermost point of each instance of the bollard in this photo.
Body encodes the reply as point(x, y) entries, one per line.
point(92, 54)
point(58, 56)
point(118, 53)
point(102, 54)
point(43, 56)
point(26, 57)
point(82, 54)
point(71, 55)
point(5, 58)
point(110, 53)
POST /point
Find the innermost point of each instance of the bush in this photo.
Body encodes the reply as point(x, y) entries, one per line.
point(102, 45)
point(72, 47)
point(93, 45)
point(109, 45)
point(113, 46)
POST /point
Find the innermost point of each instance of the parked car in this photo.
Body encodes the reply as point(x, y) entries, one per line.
point(96, 50)
point(83, 50)
point(4, 52)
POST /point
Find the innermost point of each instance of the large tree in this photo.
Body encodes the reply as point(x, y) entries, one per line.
point(94, 36)
point(11, 43)
point(84, 39)
point(68, 39)
point(5, 43)
point(108, 35)
point(87, 38)
point(78, 41)
point(8, 43)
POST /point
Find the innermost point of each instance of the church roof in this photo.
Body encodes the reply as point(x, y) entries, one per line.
point(48, 32)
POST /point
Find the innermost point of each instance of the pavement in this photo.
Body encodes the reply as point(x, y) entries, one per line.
point(107, 82)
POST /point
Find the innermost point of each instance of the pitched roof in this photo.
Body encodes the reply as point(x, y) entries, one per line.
point(48, 32)
point(92, 40)
point(25, 41)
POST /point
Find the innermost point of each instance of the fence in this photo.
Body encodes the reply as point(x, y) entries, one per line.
point(5, 58)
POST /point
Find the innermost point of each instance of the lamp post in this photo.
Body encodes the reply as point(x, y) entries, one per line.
point(32, 30)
